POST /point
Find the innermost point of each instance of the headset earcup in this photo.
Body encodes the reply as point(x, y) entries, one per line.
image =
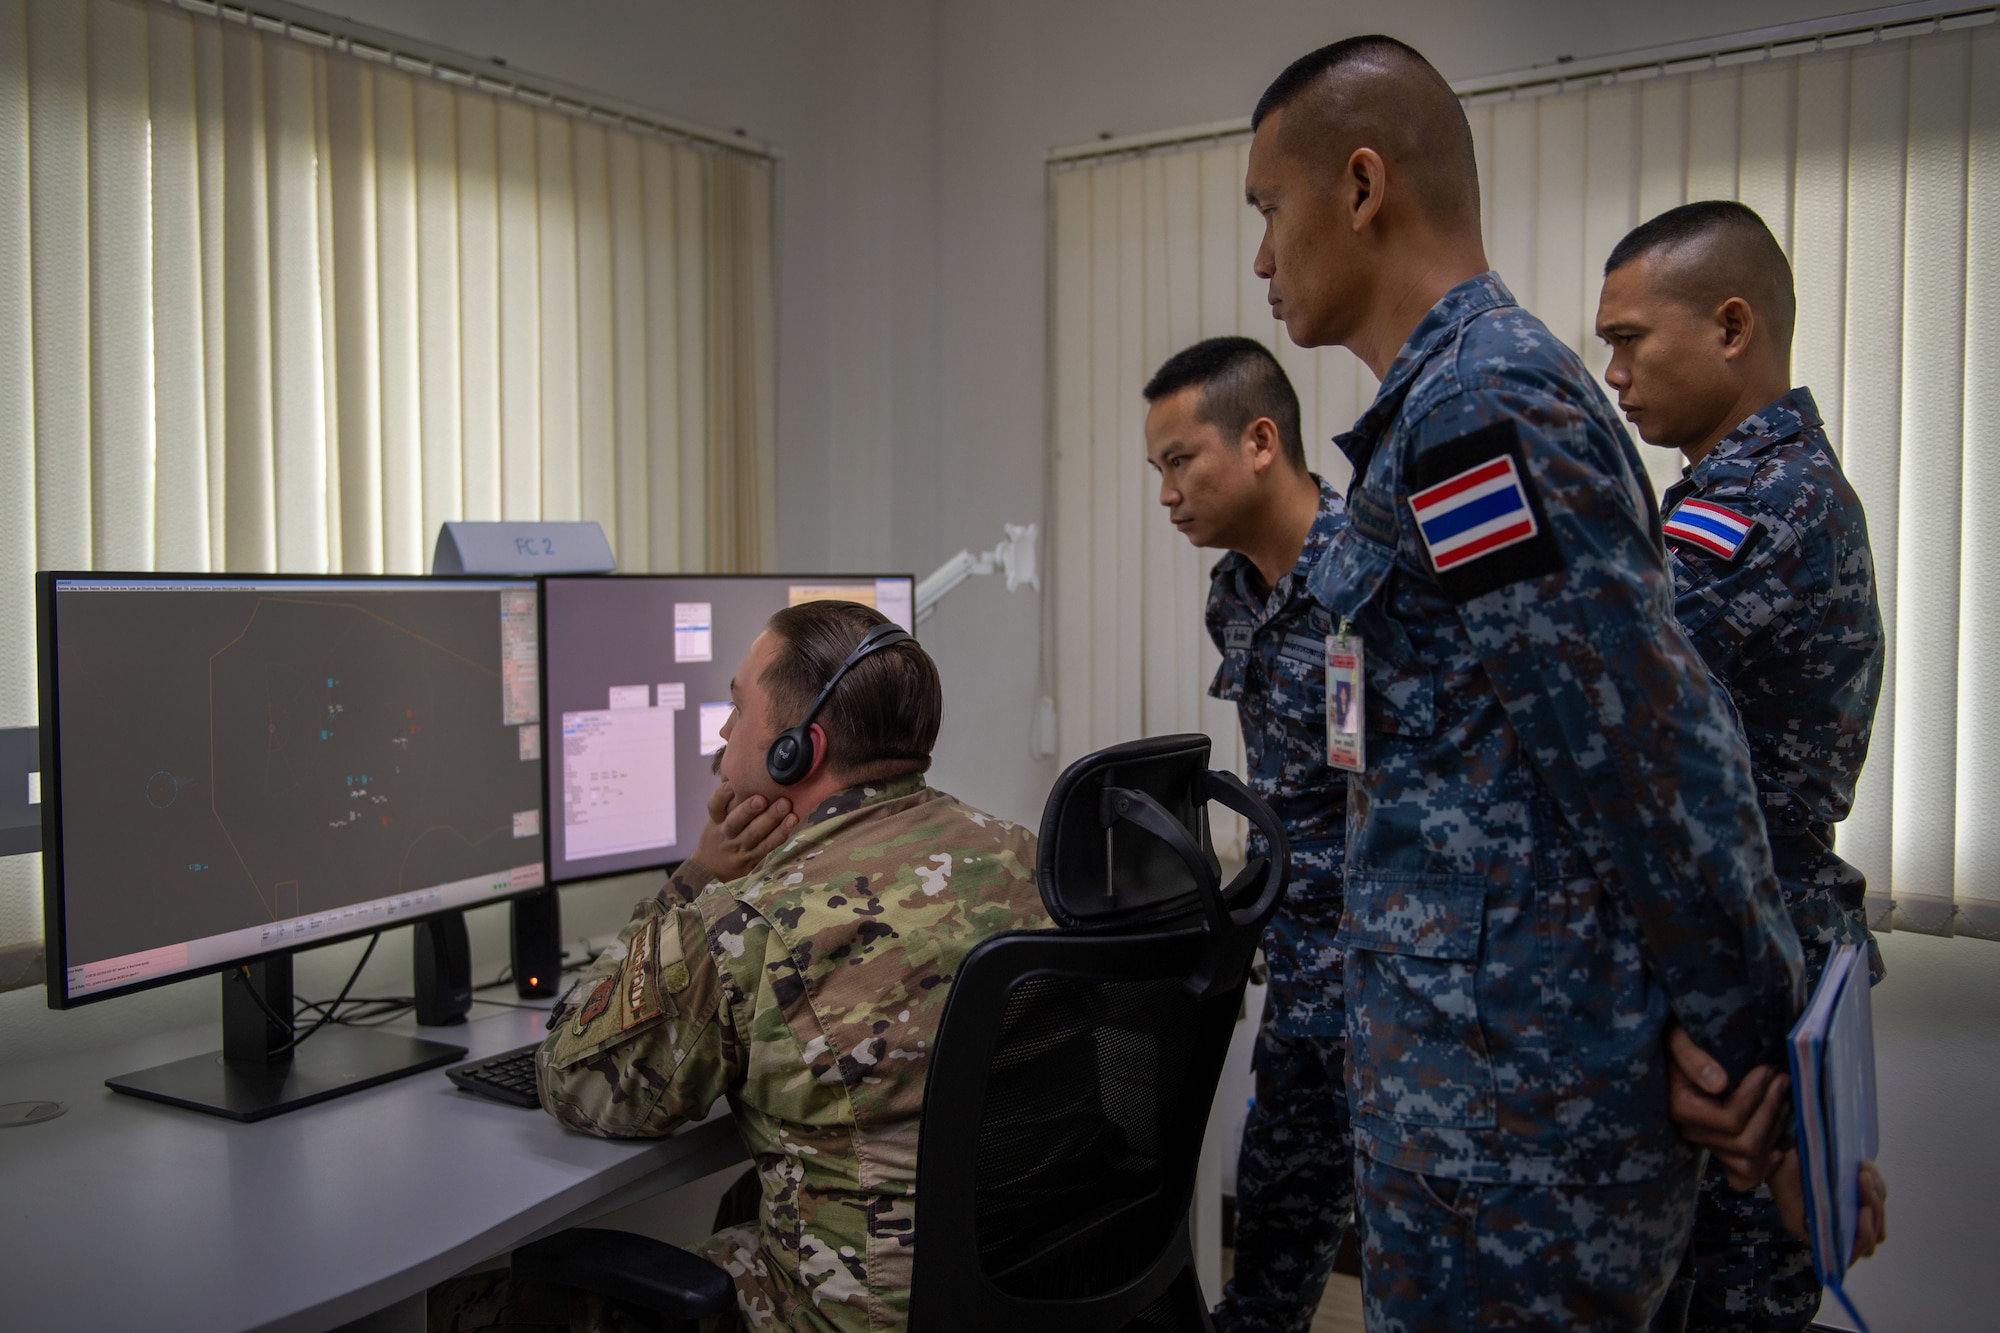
point(789, 756)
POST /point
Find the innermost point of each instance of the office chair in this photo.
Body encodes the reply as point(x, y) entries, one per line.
point(1071, 1080)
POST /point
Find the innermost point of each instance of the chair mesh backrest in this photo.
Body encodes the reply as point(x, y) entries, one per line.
point(1086, 1108)
point(1075, 1067)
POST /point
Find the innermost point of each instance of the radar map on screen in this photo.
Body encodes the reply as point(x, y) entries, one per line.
point(276, 761)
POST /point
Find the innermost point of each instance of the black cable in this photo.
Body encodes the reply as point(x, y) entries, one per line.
point(360, 1008)
point(328, 1011)
point(381, 1018)
point(242, 975)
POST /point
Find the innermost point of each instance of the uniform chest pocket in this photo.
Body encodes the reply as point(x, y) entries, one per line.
point(1297, 684)
point(1232, 677)
point(1357, 582)
point(1419, 1054)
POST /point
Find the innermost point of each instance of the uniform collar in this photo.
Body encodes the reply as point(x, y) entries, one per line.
point(826, 819)
point(863, 794)
point(1786, 419)
point(1791, 416)
point(1234, 570)
point(1474, 296)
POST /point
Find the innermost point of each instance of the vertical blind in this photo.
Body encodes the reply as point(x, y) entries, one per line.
point(266, 305)
point(1877, 165)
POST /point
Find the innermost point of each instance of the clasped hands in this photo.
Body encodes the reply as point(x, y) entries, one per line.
point(1742, 1130)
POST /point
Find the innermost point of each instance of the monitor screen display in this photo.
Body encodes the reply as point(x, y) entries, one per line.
point(637, 687)
point(246, 765)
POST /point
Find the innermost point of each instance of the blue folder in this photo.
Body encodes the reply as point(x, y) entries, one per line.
point(1833, 1098)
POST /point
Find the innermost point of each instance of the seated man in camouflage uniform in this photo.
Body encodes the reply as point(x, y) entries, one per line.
point(807, 992)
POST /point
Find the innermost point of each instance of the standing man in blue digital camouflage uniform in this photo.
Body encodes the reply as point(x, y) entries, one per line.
point(1554, 851)
point(1222, 431)
point(1774, 583)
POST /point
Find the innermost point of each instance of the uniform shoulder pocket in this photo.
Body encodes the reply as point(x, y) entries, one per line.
point(654, 984)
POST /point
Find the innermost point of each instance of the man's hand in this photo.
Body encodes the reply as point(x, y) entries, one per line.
point(739, 834)
point(1740, 1130)
point(1871, 1227)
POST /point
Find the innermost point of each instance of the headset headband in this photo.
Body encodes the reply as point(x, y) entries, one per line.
point(791, 754)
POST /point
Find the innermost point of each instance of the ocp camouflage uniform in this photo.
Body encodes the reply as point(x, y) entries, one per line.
point(1295, 1170)
point(1555, 850)
point(1790, 625)
point(808, 993)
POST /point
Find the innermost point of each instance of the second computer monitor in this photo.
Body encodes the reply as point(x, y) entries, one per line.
point(637, 689)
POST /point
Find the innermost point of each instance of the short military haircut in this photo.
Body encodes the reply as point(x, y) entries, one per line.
point(884, 715)
point(1713, 250)
point(1376, 92)
point(1239, 381)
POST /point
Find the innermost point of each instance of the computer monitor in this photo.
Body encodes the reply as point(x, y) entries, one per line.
point(238, 767)
point(637, 689)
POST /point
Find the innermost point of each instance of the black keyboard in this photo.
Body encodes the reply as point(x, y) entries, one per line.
point(507, 1077)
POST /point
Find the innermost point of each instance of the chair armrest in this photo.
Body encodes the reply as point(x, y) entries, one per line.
point(636, 1270)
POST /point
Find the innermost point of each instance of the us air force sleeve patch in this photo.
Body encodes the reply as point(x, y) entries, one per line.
point(1710, 527)
point(1476, 508)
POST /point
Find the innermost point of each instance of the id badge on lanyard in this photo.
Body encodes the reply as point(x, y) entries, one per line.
point(1346, 709)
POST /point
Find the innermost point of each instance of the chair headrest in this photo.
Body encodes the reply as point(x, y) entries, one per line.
point(1091, 874)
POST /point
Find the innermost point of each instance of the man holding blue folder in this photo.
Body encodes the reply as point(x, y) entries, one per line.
point(1775, 585)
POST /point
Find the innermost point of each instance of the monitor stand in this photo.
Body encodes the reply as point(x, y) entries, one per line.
point(255, 1076)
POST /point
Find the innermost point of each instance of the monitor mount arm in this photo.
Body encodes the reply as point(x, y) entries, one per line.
point(1014, 557)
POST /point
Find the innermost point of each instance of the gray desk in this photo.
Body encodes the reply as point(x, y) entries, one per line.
point(128, 1214)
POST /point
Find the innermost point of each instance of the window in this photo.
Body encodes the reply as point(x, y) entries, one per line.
point(274, 299)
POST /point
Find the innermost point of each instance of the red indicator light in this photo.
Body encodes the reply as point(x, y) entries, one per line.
point(534, 981)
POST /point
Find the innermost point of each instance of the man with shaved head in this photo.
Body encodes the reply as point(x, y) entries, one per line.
point(1222, 431)
point(1555, 853)
point(1774, 583)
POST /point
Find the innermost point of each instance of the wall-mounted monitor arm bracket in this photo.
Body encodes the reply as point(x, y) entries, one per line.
point(1014, 557)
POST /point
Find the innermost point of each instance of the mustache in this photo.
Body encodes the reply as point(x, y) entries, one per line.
point(715, 764)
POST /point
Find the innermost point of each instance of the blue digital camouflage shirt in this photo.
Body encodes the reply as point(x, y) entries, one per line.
point(1556, 845)
point(1778, 593)
point(1273, 649)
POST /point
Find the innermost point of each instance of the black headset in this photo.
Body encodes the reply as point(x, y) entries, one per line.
point(790, 757)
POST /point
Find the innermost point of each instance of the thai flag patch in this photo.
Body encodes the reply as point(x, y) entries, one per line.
point(1709, 526)
point(1474, 513)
